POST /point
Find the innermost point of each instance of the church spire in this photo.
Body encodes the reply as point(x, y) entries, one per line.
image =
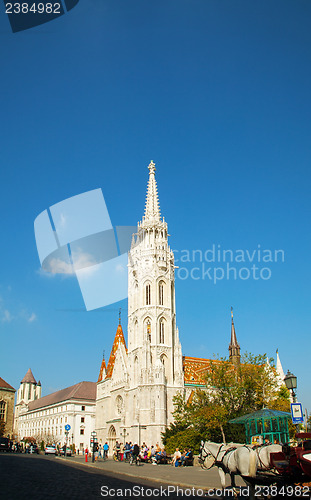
point(234, 347)
point(152, 207)
point(279, 368)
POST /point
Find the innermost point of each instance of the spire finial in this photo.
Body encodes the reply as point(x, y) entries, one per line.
point(120, 316)
point(232, 313)
point(152, 209)
point(104, 354)
point(151, 167)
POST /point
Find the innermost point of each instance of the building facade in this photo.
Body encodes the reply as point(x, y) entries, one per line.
point(7, 396)
point(44, 418)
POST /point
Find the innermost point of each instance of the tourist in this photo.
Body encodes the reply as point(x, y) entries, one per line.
point(127, 449)
point(176, 457)
point(185, 458)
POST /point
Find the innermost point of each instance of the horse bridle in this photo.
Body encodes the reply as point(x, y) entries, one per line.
point(207, 454)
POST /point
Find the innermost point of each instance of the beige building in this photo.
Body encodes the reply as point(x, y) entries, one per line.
point(7, 395)
point(45, 418)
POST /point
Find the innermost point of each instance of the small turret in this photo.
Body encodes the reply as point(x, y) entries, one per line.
point(29, 389)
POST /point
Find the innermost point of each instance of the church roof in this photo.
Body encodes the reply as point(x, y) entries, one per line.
point(118, 340)
point(101, 371)
point(82, 390)
point(196, 368)
point(29, 378)
point(5, 385)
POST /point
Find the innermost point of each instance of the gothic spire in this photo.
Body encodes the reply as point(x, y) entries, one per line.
point(234, 342)
point(234, 347)
point(152, 207)
point(279, 368)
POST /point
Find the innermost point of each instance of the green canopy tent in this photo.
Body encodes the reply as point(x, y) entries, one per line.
point(271, 424)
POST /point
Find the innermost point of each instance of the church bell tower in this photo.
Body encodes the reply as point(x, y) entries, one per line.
point(154, 349)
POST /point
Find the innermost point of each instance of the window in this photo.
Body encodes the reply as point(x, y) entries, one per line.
point(162, 331)
point(82, 408)
point(161, 293)
point(81, 432)
point(148, 295)
point(148, 330)
point(82, 420)
point(2, 410)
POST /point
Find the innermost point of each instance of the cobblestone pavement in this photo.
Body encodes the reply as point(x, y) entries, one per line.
point(39, 477)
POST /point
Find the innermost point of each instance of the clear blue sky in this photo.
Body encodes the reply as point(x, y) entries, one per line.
point(217, 93)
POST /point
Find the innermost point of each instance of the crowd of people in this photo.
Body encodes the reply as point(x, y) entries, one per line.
point(152, 454)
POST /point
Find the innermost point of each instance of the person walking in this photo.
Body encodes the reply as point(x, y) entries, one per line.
point(106, 449)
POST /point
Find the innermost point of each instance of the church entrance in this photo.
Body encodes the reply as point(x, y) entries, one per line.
point(111, 438)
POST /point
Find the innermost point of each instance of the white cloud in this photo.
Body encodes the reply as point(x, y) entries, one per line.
point(58, 266)
point(81, 260)
point(32, 318)
point(6, 316)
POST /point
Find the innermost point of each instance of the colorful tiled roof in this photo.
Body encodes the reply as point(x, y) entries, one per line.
point(195, 369)
point(5, 385)
point(118, 340)
point(82, 390)
point(101, 371)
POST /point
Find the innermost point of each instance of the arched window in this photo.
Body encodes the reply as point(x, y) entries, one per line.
point(119, 404)
point(2, 410)
point(148, 330)
point(161, 293)
point(135, 370)
point(161, 338)
point(148, 295)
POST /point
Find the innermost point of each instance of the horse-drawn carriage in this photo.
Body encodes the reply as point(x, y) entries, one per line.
point(271, 469)
point(293, 463)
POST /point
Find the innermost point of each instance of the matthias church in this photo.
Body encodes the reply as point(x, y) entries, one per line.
point(135, 389)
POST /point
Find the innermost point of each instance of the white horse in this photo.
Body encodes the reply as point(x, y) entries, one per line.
point(263, 455)
point(230, 459)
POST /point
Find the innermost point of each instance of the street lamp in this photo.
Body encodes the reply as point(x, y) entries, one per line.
point(93, 441)
point(291, 384)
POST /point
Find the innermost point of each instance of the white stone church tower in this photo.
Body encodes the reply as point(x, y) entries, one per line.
point(135, 391)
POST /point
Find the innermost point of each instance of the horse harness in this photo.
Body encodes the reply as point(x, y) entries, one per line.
point(219, 463)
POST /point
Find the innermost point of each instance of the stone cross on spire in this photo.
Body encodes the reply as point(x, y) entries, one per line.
point(152, 208)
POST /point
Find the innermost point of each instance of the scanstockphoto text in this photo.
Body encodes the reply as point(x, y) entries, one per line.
point(216, 264)
point(241, 491)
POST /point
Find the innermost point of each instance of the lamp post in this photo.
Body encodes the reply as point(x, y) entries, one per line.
point(93, 440)
point(291, 384)
point(124, 435)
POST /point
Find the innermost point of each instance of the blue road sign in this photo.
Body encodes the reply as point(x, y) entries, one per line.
point(67, 427)
point(297, 414)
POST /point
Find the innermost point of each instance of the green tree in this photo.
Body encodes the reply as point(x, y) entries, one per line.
point(230, 392)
